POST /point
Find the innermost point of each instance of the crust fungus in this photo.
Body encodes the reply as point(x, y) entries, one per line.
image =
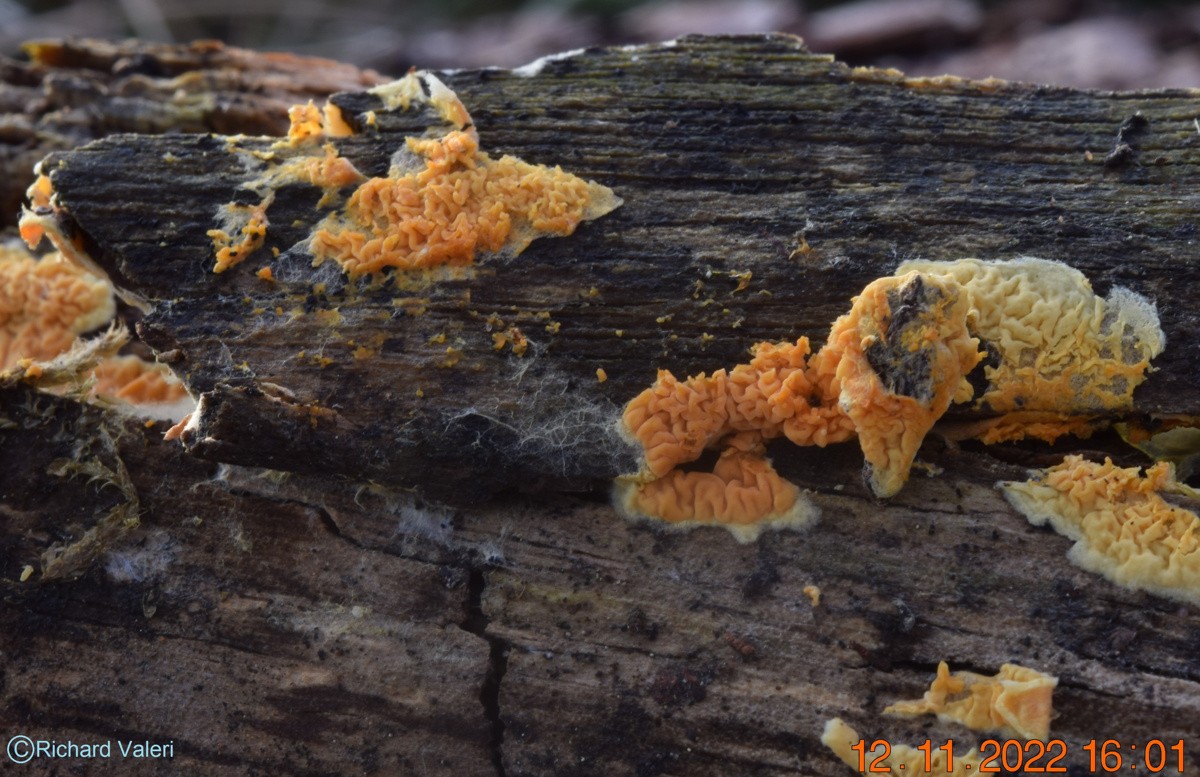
point(443, 202)
point(899, 759)
point(46, 305)
point(1015, 702)
point(901, 357)
point(889, 369)
point(151, 387)
point(1056, 350)
point(1122, 526)
point(447, 202)
point(1054, 354)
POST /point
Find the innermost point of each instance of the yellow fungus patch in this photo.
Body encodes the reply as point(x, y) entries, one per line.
point(1053, 344)
point(306, 123)
point(330, 317)
point(334, 122)
point(1122, 526)
point(814, 595)
point(461, 203)
point(520, 343)
point(248, 223)
point(1016, 702)
point(601, 375)
point(39, 192)
point(421, 88)
point(901, 760)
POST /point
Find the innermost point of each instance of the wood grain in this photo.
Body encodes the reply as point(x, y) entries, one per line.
point(328, 619)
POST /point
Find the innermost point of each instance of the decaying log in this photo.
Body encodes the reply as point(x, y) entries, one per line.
point(70, 92)
point(812, 177)
point(289, 605)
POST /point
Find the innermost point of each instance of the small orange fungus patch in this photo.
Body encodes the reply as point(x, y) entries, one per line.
point(1016, 702)
point(45, 304)
point(458, 204)
point(265, 273)
point(306, 123)
point(1122, 526)
point(40, 191)
point(248, 223)
point(601, 375)
point(743, 493)
point(137, 381)
point(1022, 425)
point(814, 595)
point(900, 760)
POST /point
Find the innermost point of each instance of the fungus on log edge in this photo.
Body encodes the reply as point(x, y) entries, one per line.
point(47, 305)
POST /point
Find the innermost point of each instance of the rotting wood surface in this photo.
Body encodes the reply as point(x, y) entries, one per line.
point(314, 623)
point(70, 92)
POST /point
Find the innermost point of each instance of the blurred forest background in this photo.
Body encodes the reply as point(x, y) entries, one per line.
point(1081, 43)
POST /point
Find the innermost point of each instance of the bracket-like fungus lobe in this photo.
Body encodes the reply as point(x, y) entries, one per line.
point(1055, 349)
point(1055, 356)
point(899, 760)
point(1122, 526)
point(443, 202)
point(1015, 702)
point(889, 370)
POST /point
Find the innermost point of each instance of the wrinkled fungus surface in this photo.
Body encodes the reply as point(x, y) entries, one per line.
point(901, 759)
point(1053, 344)
point(890, 368)
point(459, 204)
point(136, 381)
point(1122, 526)
point(1054, 355)
point(1015, 702)
point(45, 304)
point(444, 202)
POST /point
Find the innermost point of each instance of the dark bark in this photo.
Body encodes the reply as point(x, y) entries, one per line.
point(325, 620)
